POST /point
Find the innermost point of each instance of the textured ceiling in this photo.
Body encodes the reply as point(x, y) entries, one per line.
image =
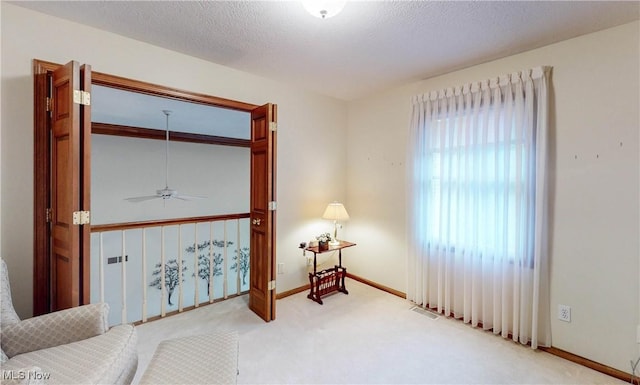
point(370, 46)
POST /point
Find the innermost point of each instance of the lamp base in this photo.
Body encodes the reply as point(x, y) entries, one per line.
point(334, 242)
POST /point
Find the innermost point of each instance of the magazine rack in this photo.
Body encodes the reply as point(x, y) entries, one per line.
point(328, 280)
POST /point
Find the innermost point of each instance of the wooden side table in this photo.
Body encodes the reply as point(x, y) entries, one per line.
point(328, 280)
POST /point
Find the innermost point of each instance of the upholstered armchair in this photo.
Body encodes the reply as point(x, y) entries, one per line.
point(72, 346)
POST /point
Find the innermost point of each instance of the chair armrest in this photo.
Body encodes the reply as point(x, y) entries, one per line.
point(53, 329)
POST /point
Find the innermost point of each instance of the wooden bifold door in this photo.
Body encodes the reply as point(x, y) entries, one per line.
point(70, 185)
point(62, 175)
point(262, 206)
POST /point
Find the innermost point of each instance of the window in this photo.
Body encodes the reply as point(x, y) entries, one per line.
point(474, 185)
point(477, 204)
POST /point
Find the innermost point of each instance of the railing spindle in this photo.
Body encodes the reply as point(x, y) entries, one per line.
point(225, 283)
point(144, 275)
point(163, 311)
point(238, 288)
point(180, 296)
point(124, 278)
point(196, 272)
point(210, 262)
point(101, 268)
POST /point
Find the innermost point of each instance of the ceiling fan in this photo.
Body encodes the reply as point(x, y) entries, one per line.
point(165, 193)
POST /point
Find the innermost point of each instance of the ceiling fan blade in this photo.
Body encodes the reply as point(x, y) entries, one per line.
point(187, 197)
point(142, 199)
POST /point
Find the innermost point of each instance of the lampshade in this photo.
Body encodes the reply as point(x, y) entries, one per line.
point(323, 9)
point(336, 212)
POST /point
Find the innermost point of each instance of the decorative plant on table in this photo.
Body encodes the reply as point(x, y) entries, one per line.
point(323, 240)
point(204, 265)
point(242, 262)
point(171, 276)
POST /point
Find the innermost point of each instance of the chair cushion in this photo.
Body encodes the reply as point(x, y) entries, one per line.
point(97, 360)
point(8, 315)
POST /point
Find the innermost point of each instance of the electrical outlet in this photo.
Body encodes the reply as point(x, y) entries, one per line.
point(280, 268)
point(564, 313)
point(309, 261)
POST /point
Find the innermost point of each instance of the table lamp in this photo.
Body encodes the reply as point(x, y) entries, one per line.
point(336, 212)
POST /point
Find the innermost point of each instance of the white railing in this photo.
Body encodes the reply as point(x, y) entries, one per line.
point(202, 260)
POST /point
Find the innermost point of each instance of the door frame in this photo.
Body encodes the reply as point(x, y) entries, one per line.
point(42, 167)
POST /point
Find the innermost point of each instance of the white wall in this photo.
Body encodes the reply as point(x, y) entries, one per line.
point(595, 168)
point(130, 167)
point(311, 149)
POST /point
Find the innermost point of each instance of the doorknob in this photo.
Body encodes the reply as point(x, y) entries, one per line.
point(256, 221)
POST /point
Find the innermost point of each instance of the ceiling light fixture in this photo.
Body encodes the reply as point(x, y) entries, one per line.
point(323, 9)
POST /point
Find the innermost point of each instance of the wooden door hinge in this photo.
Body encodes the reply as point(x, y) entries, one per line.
point(273, 126)
point(48, 215)
point(272, 285)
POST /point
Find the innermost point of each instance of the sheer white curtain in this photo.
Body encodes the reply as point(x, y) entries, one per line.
point(478, 204)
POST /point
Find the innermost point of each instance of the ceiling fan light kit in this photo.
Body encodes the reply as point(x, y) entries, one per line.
point(166, 193)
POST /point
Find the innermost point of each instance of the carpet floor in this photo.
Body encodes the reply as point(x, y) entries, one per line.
point(366, 337)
